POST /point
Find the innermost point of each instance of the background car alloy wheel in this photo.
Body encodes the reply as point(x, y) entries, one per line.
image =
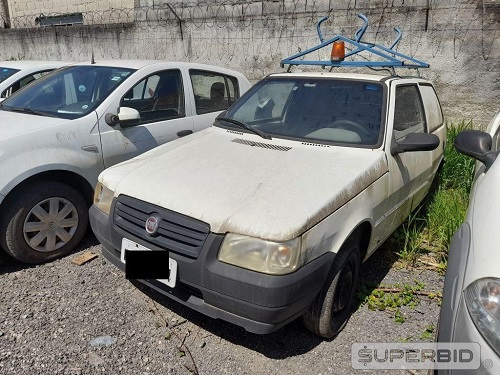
point(42, 222)
point(51, 224)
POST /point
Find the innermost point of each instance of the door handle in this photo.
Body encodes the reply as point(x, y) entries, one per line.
point(90, 148)
point(183, 133)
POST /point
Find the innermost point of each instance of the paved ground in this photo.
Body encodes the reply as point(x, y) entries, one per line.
point(52, 314)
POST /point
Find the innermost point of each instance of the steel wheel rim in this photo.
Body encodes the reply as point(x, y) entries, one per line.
point(50, 224)
point(344, 287)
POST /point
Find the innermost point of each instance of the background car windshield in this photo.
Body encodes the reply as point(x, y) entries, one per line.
point(337, 111)
point(6, 73)
point(69, 93)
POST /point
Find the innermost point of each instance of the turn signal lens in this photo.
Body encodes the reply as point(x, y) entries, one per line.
point(338, 51)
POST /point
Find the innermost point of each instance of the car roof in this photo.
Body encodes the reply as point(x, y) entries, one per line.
point(139, 64)
point(25, 64)
point(347, 75)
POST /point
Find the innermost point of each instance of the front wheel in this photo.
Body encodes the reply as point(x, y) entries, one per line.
point(43, 222)
point(330, 311)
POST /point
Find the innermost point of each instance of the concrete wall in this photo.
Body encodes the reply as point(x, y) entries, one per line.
point(3, 14)
point(24, 12)
point(461, 40)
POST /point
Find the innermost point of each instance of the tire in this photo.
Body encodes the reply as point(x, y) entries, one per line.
point(43, 222)
point(330, 311)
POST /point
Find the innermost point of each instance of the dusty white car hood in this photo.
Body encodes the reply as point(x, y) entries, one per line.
point(235, 187)
point(15, 123)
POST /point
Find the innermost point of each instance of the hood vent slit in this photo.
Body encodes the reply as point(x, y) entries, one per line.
point(261, 145)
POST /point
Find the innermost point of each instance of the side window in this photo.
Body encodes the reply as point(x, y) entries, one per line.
point(496, 140)
point(213, 91)
point(432, 107)
point(23, 82)
point(157, 97)
point(408, 112)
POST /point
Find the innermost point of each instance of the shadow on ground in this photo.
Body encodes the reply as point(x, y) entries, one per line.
point(9, 264)
point(293, 339)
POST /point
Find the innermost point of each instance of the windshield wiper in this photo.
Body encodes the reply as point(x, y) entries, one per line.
point(29, 110)
point(246, 126)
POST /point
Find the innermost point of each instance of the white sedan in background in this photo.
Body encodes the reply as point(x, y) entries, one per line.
point(60, 132)
point(470, 311)
point(16, 74)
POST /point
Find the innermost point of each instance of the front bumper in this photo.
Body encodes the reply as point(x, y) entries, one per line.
point(464, 330)
point(258, 302)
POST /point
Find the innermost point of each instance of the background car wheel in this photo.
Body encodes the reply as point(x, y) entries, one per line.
point(43, 222)
point(330, 311)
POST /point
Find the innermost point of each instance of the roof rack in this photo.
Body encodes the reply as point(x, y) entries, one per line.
point(391, 58)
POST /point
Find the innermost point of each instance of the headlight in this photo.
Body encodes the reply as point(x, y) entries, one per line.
point(269, 257)
point(482, 298)
point(103, 198)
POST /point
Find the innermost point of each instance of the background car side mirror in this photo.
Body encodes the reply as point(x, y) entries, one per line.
point(126, 117)
point(415, 142)
point(477, 145)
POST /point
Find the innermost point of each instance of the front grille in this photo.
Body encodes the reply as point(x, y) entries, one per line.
point(176, 232)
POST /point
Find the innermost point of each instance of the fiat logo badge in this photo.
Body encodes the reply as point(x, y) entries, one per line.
point(152, 224)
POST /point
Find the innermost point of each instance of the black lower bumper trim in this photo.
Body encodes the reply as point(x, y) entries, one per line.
point(258, 302)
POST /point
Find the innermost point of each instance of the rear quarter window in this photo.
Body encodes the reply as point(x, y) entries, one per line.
point(213, 91)
point(433, 110)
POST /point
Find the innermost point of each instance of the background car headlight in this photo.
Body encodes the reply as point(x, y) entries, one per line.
point(270, 257)
point(482, 298)
point(103, 198)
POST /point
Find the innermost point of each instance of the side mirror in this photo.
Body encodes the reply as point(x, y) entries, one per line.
point(2, 99)
point(126, 117)
point(415, 142)
point(477, 145)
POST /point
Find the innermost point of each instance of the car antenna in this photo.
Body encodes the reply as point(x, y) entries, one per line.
point(92, 61)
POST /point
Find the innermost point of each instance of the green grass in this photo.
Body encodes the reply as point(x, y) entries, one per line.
point(457, 171)
point(428, 334)
point(391, 298)
point(428, 230)
point(445, 214)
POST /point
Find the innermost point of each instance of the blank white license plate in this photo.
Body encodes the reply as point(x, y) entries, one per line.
point(172, 264)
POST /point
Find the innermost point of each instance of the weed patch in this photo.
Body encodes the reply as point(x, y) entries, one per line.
point(393, 297)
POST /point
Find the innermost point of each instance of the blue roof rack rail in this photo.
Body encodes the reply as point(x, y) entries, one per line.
point(389, 57)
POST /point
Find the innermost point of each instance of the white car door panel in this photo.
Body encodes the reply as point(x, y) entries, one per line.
point(120, 144)
point(160, 100)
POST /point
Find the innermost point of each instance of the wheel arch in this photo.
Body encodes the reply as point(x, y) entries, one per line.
point(362, 233)
point(73, 179)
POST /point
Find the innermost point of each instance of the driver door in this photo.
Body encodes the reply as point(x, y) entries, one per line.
point(160, 100)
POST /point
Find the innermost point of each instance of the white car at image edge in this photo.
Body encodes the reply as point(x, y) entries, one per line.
point(61, 131)
point(470, 310)
point(16, 74)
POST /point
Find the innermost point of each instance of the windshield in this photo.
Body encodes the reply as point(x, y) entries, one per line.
point(344, 112)
point(68, 93)
point(6, 73)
